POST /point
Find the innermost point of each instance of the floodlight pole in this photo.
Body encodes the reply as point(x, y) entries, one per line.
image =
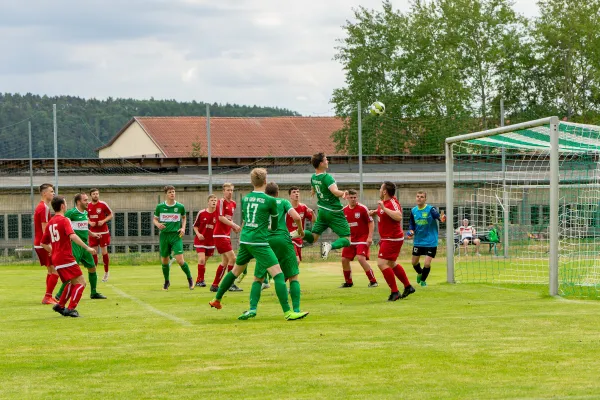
point(55, 150)
point(554, 199)
point(449, 214)
point(505, 205)
point(208, 151)
point(33, 254)
point(360, 158)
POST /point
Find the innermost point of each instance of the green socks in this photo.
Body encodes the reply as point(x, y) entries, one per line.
point(165, 268)
point(281, 290)
point(255, 292)
point(295, 294)
point(185, 268)
point(340, 243)
point(225, 285)
point(93, 278)
point(61, 290)
point(308, 236)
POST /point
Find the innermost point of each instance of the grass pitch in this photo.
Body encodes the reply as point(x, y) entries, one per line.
point(462, 341)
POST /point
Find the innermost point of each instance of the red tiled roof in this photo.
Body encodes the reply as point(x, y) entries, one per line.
point(241, 137)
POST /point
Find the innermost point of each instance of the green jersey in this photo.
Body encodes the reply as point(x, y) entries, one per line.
point(325, 199)
point(278, 226)
point(257, 210)
point(170, 216)
point(79, 223)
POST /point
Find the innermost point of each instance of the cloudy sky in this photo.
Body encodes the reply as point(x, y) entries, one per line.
point(264, 52)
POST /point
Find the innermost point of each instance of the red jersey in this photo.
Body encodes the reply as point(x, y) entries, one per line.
point(305, 214)
point(224, 209)
point(358, 218)
point(388, 228)
point(41, 215)
point(57, 234)
point(97, 212)
point(205, 222)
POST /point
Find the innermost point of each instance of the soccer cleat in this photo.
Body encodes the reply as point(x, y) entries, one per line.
point(423, 283)
point(394, 296)
point(295, 234)
point(97, 296)
point(346, 285)
point(200, 284)
point(214, 303)
point(265, 286)
point(105, 279)
point(71, 313)
point(214, 288)
point(234, 288)
point(325, 249)
point(49, 300)
point(240, 278)
point(247, 315)
point(373, 284)
point(419, 278)
point(190, 283)
point(407, 291)
point(58, 308)
point(166, 285)
point(293, 316)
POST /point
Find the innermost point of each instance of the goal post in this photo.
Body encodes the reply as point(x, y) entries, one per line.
point(537, 186)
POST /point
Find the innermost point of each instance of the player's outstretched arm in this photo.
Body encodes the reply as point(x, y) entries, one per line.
point(337, 192)
point(298, 220)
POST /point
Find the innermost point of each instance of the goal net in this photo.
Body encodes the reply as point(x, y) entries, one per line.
point(524, 223)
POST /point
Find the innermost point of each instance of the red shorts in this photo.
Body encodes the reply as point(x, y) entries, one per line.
point(223, 245)
point(298, 251)
point(68, 273)
point(104, 240)
point(44, 257)
point(355, 250)
point(207, 252)
point(390, 249)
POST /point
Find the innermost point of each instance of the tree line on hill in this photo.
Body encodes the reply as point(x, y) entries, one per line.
point(86, 124)
point(442, 66)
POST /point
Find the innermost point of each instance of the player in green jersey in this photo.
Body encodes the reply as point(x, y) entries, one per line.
point(331, 210)
point(258, 209)
point(281, 244)
point(79, 222)
point(170, 219)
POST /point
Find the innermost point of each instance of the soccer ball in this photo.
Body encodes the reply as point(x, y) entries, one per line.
point(377, 108)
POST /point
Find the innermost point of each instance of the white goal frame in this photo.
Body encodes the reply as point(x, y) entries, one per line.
point(554, 194)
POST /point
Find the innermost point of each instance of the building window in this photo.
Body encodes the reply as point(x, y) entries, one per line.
point(13, 226)
point(132, 224)
point(513, 215)
point(26, 226)
point(119, 225)
point(146, 223)
point(2, 227)
point(535, 215)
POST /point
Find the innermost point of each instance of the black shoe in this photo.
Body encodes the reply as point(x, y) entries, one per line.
point(71, 313)
point(166, 285)
point(394, 296)
point(214, 288)
point(201, 284)
point(407, 290)
point(59, 309)
point(97, 296)
point(191, 283)
point(373, 284)
point(234, 288)
point(345, 285)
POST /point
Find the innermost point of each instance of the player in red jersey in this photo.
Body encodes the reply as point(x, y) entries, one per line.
point(99, 214)
point(389, 215)
point(203, 236)
point(304, 212)
point(361, 237)
point(57, 241)
point(222, 235)
point(41, 216)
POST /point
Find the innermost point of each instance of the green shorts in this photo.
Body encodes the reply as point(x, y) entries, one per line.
point(264, 256)
point(83, 257)
point(336, 220)
point(170, 242)
point(286, 255)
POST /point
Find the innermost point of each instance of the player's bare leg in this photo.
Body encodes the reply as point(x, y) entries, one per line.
point(466, 246)
point(362, 260)
point(105, 259)
point(347, 269)
point(476, 242)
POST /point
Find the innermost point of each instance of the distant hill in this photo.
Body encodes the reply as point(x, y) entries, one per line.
point(85, 124)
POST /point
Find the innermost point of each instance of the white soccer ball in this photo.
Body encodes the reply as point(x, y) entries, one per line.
point(377, 108)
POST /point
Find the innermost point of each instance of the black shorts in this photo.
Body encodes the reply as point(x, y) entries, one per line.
point(424, 251)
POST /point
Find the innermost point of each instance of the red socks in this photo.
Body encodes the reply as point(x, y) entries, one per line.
point(105, 261)
point(371, 276)
point(201, 271)
point(348, 276)
point(401, 275)
point(65, 295)
point(388, 274)
point(218, 275)
point(229, 268)
point(76, 293)
point(95, 259)
point(51, 280)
